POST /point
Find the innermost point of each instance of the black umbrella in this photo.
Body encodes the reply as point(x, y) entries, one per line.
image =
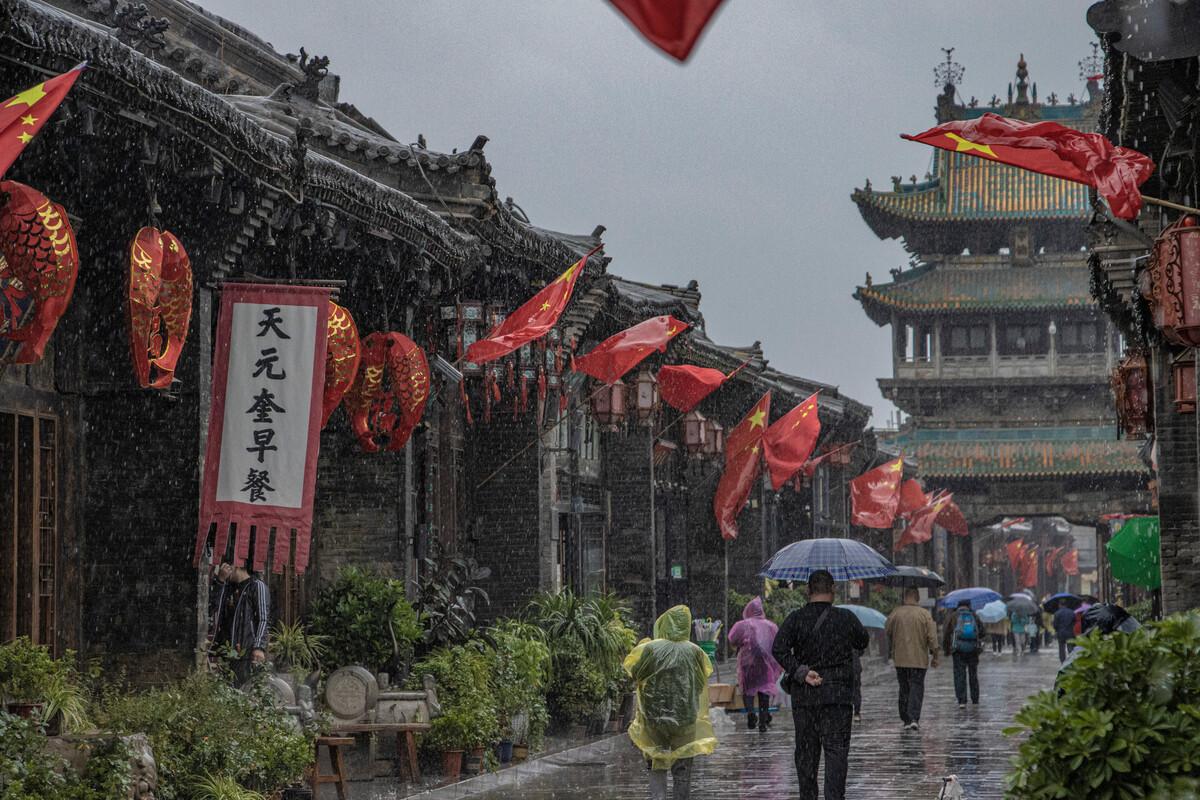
point(1022, 604)
point(1067, 599)
point(914, 577)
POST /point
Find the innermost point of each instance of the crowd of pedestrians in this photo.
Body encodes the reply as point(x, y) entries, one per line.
point(814, 658)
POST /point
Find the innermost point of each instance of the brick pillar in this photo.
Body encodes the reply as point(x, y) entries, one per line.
point(1178, 511)
point(627, 476)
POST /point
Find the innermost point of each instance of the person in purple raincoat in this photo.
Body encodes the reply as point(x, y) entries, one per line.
point(758, 671)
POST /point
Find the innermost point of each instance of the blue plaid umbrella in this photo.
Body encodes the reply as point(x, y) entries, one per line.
point(979, 596)
point(845, 559)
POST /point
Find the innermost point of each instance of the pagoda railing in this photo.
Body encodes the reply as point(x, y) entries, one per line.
point(1005, 366)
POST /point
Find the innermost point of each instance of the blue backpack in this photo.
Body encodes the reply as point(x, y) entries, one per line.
point(966, 634)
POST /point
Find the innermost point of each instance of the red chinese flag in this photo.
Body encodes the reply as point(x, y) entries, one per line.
point(1029, 569)
point(743, 460)
point(532, 320)
point(22, 116)
point(672, 26)
point(875, 495)
point(912, 498)
point(1070, 562)
point(920, 526)
point(1051, 556)
point(790, 441)
point(810, 466)
point(682, 387)
point(1050, 149)
point(618, 354)
point(1016, 553)
point(951, 518)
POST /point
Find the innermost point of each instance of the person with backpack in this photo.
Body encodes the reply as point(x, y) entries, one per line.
point(962, 643)
point(912, 648)
point(672, 727)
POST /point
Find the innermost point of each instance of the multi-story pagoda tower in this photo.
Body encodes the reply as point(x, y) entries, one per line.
point(1000, 355)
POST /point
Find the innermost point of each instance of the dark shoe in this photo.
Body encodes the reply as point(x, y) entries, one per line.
point(751, 720)
point(767, 719)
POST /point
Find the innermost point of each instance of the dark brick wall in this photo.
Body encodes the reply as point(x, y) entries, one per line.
point(627, 476)
point(507, 536)
point(1178, 512)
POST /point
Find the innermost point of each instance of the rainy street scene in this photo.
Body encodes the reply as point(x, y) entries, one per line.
point(603, 400)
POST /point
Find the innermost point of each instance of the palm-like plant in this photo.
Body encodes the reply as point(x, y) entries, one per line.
point(297, 647)
point(597, 623)
point(212, 787)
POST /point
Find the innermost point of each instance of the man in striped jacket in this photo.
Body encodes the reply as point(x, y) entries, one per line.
point(241, 607)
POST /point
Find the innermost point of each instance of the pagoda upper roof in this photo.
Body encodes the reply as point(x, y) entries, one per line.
point(938, 288)
point(1021, 452)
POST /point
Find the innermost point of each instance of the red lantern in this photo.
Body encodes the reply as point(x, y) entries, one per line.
point(343, 351)
point(159, 291)
point(1131, 389)
point(694, 432)
point(647, 398)
point(1174, 291)
point(608, 404)
point(383, 413)
point(1183, 372)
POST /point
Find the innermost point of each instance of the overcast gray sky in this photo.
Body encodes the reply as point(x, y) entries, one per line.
point(735, 169)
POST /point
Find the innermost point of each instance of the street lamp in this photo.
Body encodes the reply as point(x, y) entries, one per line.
point(694, 431)
point(646, 400)
point(608, 404)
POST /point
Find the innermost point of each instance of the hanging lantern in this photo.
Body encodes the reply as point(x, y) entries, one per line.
point(608, 404)
point(1131, 389)
point(383, 413)
point(694, 431)
point(840, 457)
point(343, 351)
point(647, 397)
point(1174, 285)
point(714, 438)
point(159, 291)
point(1183, 373)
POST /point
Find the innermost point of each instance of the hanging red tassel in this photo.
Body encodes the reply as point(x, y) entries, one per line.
point(524, 392)
point(512, 376)
point(489, 381)
point(541, 396)
point(496, 388)
point(562, 401)
point(466, 401)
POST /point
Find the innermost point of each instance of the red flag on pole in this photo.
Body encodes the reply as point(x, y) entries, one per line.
point(1050, 149)
point(810, 466)
point(951, 518)
point(912, 498)
point(619, 353)
point(920, 527)
point(1051, 556)
point(790, 441)
point(672, 26)
point(531, 321)
point(743, 460)
point(1016, 554)
point(23, 115)
point(875, 495)
point(1070, 562)
point(682, 387)
point(1029, 568)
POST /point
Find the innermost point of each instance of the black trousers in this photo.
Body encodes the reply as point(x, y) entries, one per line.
point(824, 728)
point(1064, 646)
point(966, 671)
point(998, 642)
point(912, 693)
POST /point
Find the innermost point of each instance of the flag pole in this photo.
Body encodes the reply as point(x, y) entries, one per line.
point(725, 620)
point(1156, 201)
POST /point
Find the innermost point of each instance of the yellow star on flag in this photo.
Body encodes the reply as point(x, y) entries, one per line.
point(962, 145)
point(28, 97)
point(754, 449)
point(757, 418)
point(566, 276)
point(24, 137)
point(545, 306)
point(29, 119)
point(672, 331)
point(896, 466)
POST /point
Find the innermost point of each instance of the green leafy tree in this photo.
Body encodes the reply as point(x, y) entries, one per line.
point(364, 619)
point(1125, 725)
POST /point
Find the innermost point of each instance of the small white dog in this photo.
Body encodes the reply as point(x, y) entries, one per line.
point(951, 789)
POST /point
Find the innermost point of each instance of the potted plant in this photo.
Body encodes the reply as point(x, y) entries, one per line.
point(449, 734)
point(32, 682)
point(295, 650)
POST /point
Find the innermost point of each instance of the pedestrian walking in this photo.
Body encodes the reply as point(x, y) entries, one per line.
point(1019, 622)
point(857, 667)
point(671, 727)
point(961, 642)
point(1033, 630)
point(912, 648)
point(240, 608)
point(758, 672)
point(816, 648)
point(1064, 630)
point(998, 630)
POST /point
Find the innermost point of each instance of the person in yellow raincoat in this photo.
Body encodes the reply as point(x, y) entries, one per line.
point(671, 727)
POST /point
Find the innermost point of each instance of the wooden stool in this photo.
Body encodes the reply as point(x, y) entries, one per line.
point(406, 755)
point(334, 745)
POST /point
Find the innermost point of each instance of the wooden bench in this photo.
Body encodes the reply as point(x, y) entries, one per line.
point(406, 742)
point(334, 745)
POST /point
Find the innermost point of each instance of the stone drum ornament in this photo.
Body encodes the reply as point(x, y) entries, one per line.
point(389, 395)
point(39, 262)
point(343, 351)
point(160, 305)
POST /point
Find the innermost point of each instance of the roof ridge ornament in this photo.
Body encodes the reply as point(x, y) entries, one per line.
point(135, 26)
point(315, 68)
point(949, 72)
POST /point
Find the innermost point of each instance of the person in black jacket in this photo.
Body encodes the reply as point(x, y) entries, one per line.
point(240, 604)
point(816, 648)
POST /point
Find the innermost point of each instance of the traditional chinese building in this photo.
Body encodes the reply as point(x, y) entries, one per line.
point(189, 122)
point(1000, 355)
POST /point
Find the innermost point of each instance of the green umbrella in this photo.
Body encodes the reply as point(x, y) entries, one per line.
point(1133, 553)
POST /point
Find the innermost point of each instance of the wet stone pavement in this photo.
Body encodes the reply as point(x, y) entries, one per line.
point(886, 763)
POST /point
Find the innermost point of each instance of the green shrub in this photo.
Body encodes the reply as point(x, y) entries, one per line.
point(366, 620)
point(202, 728)
point(464, 675)
point(1126, 724)
point(29, 673)
point(29, 772)
point(523, 668)
point(577, 687)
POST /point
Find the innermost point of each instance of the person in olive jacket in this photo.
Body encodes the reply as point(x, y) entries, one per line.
point(913, 648)
point(816, 648)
